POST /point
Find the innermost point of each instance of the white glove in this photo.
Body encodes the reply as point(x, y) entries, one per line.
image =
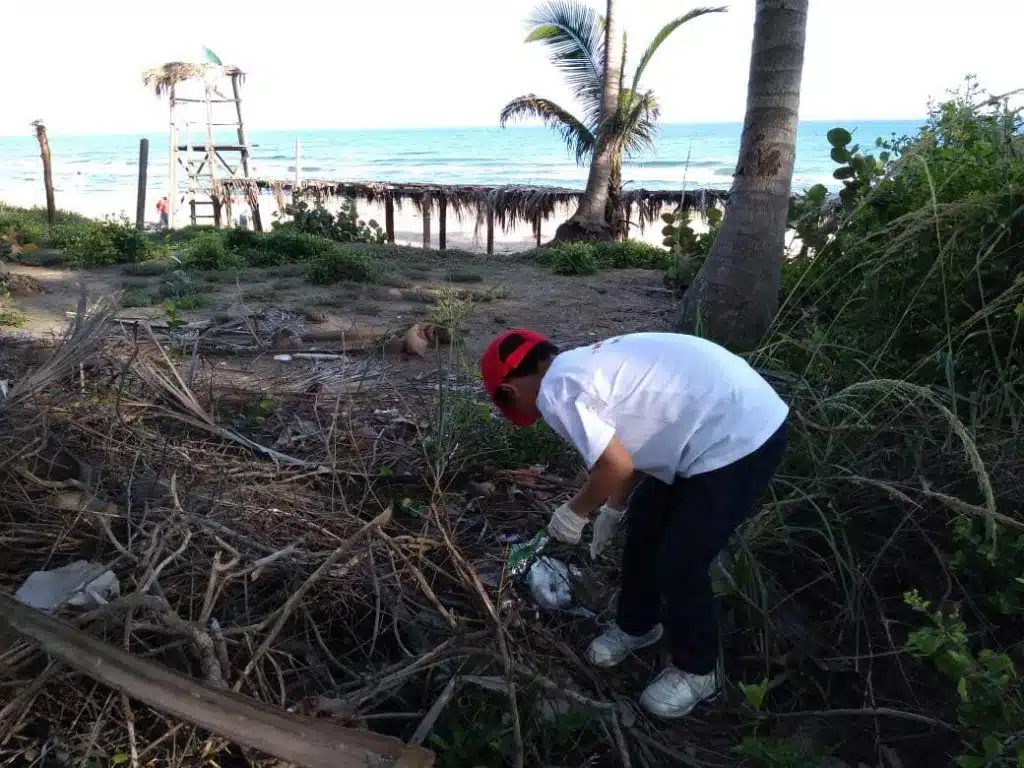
point(604, 527)
point(566, 525)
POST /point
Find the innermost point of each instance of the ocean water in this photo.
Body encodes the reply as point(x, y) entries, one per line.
point(98, 174)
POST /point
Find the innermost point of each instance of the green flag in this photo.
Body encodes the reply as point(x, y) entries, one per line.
point(211, 57)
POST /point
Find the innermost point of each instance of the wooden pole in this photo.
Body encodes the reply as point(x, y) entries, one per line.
point(140, 204)
point(254, 198)
point(490, 231)
point(442, 223)
point(44, 151)
point(172, 168)
point(389, 216)
point(425, 208)
point(536, 229)
point(211, 157)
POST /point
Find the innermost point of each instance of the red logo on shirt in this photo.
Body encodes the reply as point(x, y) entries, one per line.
point(597, 346)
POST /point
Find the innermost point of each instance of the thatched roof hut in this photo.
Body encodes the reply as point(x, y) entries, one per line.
point(161, 79)
point(508, 205)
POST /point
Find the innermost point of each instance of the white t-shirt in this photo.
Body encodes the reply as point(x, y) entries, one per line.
point(679, 404)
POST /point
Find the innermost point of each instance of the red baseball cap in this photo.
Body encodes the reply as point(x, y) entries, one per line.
point(493, 370)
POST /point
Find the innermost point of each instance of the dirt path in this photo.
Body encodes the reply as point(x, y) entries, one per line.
point(494, 293)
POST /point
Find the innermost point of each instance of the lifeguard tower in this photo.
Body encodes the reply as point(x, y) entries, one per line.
point(207, 139)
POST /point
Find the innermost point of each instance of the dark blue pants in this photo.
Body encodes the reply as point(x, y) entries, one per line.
point(674, 533)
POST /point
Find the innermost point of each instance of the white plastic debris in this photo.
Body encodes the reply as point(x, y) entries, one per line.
point(5, 387)
point(81, 584)
point(550, 582)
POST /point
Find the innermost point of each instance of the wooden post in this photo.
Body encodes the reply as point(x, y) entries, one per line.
point(536, 228)
point(172, 168)
point(44, 151)
point(254, 198)
point(442, 222)
point(389, 216)
point(490, 231)
point(425, 208)
point(140, 204)
point(211, 157)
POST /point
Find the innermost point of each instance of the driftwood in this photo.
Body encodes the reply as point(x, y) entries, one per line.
point(301, 740)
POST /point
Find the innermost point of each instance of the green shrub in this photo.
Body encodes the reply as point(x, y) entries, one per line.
point(12, 318)
point(341, 263)
point(687, 249)
point(588, 258)
point(288, 245)
point(98, 243)
point(631, 254)
point(208, 251)
point(572, 259)
point(345, 227)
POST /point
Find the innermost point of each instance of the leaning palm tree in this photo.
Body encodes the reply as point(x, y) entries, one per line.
point(583, 45)
point(735, 295)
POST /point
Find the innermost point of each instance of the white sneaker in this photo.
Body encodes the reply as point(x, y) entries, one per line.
point(614, 645)
point(675, 693)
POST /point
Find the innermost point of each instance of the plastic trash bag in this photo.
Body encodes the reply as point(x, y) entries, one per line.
point(551, 583)
point(81, 584)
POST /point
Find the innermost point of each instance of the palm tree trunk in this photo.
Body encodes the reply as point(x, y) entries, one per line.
point(589, 222)
point(614, 214)
point(735, 296)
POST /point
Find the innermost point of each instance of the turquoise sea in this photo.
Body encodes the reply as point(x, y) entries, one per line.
point(97, 174)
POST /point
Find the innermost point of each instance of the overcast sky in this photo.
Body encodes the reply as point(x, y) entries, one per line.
point(409, 63)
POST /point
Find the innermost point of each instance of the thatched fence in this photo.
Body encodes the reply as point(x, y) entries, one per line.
point(504, 206)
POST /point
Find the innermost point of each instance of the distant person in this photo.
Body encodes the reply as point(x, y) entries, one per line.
point(162, 208)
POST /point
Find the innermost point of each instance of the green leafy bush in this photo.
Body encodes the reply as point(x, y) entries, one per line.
point(687, 249)
point(11, 317)
point(573, 259)
point(341, 263)
point(209, 251)
point(927, 243)
point(285, 246)
point(630, 254)
point(343, 227)
point(587, 258)
point(898, 348)
point(98, 243)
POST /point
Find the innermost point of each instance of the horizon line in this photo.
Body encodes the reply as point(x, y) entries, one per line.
point(479, 127)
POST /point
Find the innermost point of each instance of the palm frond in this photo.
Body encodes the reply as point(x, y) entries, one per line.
point(574, 133)
point(575, 38)
point(636, 121)
point(667, 30)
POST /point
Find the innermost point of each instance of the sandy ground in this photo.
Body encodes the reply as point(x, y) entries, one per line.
point(499, 293)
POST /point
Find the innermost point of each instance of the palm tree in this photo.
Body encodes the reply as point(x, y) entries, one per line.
point(616, 119)
point(735, 296)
